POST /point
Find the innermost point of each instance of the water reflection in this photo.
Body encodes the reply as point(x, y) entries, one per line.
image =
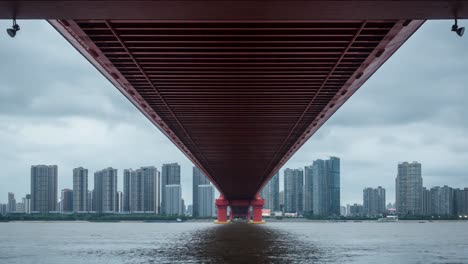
point(203, 242)
point(241, 243)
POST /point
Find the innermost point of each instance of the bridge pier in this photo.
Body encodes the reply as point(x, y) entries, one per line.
point(240, 208)
point(257, 205)
point(222, 205)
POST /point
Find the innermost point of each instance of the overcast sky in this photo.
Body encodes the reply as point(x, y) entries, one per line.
point(55, 108)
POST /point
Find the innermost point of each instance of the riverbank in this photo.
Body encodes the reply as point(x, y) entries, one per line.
point(150, 218)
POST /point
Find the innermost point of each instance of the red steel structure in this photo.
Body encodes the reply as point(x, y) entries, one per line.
point(238, 86)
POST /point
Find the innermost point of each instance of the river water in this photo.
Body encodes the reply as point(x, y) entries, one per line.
point(195, 242)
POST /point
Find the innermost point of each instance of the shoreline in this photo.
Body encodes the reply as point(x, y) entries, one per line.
point(267, 220)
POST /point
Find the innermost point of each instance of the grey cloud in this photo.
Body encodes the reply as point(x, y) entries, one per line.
point(426, 76)
point(43, 76)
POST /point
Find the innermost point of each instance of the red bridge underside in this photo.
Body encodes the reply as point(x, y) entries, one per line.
point(238, 86)
point(239, 98)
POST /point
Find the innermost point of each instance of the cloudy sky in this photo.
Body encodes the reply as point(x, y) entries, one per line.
point(55, 108)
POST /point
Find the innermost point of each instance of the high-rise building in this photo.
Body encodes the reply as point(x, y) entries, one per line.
point(105, 190)
point(3, 209)
point(333, 171)
point(170, 176)
point(198, 179)
point(66, 200)
point(11, 203)
point(189, 209)
point(91, 205)
point(270, 193)
point(320, 195)
point(80, 189)
point(461, 202)
point(44, 188)
point(27, 204)
point(426, 202)
point(374, 201)
point(442, 201)
point(141, 190)
point(435, 200)
point(281, 200)
point(409, 188)
point(446, 201)
point(206, 199)
point(356, 210)
point(127, 176)
point(308, 189)
point(183, 207)
point(173, 199)
point(293, 190)
point(120, 201)
point(326, 187)
point(145, 185)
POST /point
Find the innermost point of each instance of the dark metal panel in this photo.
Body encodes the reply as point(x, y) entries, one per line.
point(233, 9)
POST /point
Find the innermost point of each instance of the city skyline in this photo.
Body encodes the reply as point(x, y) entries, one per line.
point(121, 175)
point(318, 193)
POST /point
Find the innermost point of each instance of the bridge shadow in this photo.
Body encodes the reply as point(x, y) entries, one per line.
point(244, 243)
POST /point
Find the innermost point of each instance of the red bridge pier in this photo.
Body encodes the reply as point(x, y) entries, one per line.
point(240, 208)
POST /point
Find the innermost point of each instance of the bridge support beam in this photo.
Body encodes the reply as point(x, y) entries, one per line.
point(222, 205)
point(257, 205)
point(240, 208)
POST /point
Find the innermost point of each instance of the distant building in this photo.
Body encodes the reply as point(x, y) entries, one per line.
point(270, 193)
point(3, 209)
point(198, 179)
point(343, 211)
point(91, 205)
point(348, 210)
point(374, 201)
point(173, 199)
point(293, 190)
point(334, 185)
point(105, 190)
point(308, 189)
point(281, 200)
point(127, 176)
point(326, 187)
point(446, 201)
point(19, 208)
point(409, 188)
point(183, 209)
point(11, 203)
point(120, 201)
point(141, 190)
point(461, 202)
point(170, 176)
point(80, 190)
point(442, 201)
point(151, 185)
point(44, 188)
point(435, 200)
point(27, 204)
point(426, 202)
point(356, 210)
point(206, 200)
point(66, 200)
point(189, 209)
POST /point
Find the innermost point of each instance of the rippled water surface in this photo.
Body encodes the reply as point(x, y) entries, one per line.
point(274, 242)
